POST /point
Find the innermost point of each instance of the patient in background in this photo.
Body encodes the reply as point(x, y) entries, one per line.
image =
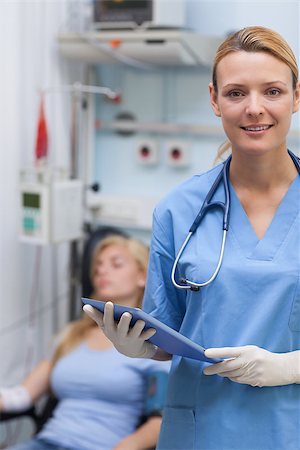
point(101, 393)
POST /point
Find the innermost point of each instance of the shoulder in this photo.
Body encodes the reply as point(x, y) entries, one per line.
point(186, 199)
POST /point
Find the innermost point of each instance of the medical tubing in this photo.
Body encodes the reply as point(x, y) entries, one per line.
point(115, 54)
point(180, 286)
point(227, 193)
point(218, 265)
point(192, 283)
point(211, 279)
point(202, 211)
point(224, 174)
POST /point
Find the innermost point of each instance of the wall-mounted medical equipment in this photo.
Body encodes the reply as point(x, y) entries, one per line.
point(52, 201)
point(51, 210)
point(130, 13)
point(178, 154)
point(122, 211)
point(152, 47)
point(147, 152)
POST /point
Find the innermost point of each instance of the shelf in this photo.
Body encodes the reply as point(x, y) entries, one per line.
point(153, 47)
point(160, 127)
point(123, 211)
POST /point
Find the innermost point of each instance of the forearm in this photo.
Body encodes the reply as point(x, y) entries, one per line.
point(145, 437)
point(161, 355)
point(147, 434)
point(295, 364)
point(38, 381)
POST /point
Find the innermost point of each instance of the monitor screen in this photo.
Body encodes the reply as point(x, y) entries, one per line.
point(124, 4)
point(31, 200)
point(113, 11)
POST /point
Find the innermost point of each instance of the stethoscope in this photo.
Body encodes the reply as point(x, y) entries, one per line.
point(208, 204)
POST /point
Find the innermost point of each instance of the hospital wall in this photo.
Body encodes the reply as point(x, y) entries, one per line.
point(176, 95)
point(34, 280)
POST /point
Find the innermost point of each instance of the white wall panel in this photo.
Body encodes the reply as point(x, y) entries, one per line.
point(33, 279)
point(178, 95)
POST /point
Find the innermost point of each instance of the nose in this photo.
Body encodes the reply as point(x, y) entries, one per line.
point(101, 269)
point(254, 107)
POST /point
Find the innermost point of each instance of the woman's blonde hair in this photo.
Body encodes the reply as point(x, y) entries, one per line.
point(254, 39)
point(76, 331)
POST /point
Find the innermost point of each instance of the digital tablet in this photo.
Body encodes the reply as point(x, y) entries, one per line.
point(165, 337)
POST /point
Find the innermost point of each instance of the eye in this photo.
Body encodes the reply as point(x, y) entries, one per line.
point(273, 92)
point(234, 94)
point(118, 263)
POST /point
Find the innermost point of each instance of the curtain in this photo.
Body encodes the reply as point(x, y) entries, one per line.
point(33, 279)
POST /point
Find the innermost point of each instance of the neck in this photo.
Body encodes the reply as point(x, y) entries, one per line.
point(262, 172)
point(132, 301)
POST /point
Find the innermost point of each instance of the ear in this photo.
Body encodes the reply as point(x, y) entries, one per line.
point(296, 98)
point(214, 100)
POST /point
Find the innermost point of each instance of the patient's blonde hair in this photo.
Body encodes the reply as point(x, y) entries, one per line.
point(75, 332)
point(254, 39)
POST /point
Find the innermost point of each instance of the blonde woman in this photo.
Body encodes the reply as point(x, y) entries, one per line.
point(101, 393)
point(248, 313)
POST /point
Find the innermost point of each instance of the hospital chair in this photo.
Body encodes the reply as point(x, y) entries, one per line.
point(156, 390)
point(93, 239)
point(38, 415)
point(156, 383)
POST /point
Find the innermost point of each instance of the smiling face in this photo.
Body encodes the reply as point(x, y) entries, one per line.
point(117, 276)
point(255, 100)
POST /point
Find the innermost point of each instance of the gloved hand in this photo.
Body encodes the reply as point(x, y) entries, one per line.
point(129, 341)
point(255, 366)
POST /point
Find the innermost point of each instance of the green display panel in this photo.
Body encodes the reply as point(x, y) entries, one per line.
point(31, 200)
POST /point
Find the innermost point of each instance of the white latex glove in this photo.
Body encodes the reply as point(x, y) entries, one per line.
point(129, 341)
point(255, 366)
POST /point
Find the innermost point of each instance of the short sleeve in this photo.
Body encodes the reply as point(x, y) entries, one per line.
point(161, 299)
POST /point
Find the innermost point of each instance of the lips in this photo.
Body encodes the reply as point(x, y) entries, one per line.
point(102, 284)
point(256, 128)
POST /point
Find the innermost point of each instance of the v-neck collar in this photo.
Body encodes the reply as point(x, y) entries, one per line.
point(266, 248)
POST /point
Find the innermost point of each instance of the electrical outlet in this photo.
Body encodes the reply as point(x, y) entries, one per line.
point(147, 152)
point(178, 154)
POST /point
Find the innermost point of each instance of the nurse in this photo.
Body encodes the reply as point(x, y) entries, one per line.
point(250, 314)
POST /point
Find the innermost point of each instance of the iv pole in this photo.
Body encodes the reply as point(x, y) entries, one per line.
point(76, 90)
point(76, 115)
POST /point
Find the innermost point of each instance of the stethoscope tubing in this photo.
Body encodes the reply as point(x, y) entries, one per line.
point(191, 284)
point(207, 205)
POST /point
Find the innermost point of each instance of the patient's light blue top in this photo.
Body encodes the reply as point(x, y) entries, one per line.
point(255, 299)
point(101, 398)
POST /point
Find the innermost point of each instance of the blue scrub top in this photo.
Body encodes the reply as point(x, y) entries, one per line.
point(255, 300)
